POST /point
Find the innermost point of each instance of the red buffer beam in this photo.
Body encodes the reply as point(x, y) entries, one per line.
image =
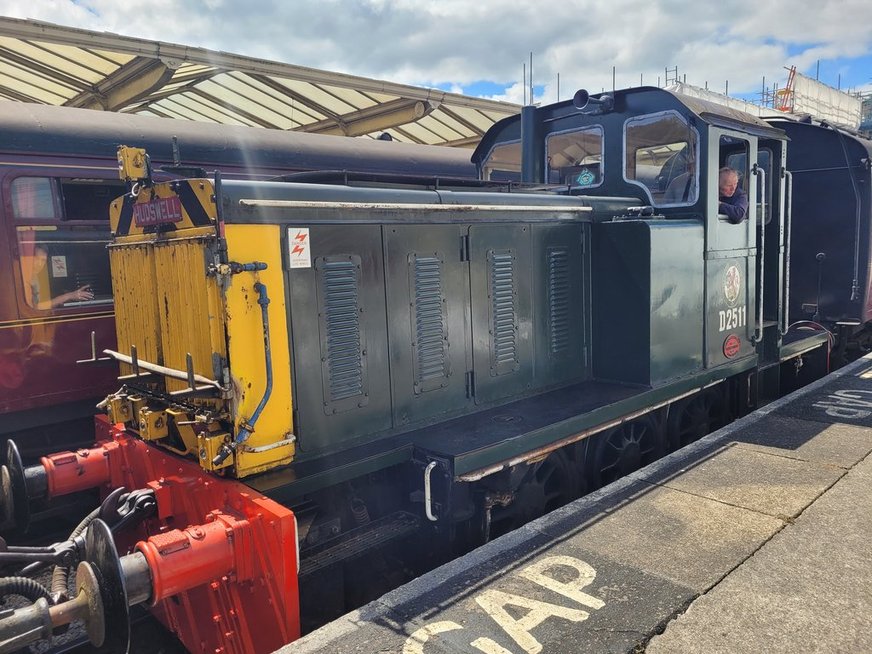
point(227, 582)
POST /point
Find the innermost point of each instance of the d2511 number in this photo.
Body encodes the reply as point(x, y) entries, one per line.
point(732, 318)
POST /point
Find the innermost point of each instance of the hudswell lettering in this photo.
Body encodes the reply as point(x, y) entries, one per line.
point(158, 212)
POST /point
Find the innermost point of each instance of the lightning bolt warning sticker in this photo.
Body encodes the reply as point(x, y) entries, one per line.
point(300, 254)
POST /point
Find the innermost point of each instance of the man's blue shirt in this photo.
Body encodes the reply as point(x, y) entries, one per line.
point(734, 207)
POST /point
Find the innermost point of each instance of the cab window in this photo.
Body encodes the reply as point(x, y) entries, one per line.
point(733, 156)
point(737, 159)
point(661, 154)
point(575, 158)
point(503, 163)
point(62, 230)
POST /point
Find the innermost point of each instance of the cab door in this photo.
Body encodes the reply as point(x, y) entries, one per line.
point(731, 252)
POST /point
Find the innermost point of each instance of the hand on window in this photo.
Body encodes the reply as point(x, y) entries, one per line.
point(81, 294)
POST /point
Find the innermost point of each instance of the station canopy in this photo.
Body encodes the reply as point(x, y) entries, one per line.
point(50, 64)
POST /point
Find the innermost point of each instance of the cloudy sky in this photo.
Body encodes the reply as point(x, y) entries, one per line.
point(480, 47)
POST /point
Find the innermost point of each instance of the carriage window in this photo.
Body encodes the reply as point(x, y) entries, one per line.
point(62, 269)
point(503, 163)
point(575, 158)
point(63, 261)
point(661, 152)
point(34, 197)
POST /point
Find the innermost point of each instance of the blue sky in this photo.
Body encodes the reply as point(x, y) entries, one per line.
point(481, 47)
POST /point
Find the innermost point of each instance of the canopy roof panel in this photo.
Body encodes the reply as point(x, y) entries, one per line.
point(49, 64)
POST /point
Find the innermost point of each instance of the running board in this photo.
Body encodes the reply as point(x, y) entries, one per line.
point(357, 542)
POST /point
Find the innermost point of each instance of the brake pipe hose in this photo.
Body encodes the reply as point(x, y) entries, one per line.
point(248, 425)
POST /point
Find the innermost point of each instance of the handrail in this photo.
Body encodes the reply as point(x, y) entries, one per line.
point(788, 222)
point(161, 370)
point(758, 331)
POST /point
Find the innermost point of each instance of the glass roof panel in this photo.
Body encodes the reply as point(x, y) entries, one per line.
point(351, 96)
point(199, 109)
point(446, 126)
point(251, 102)
point(421, 134)
point(95, 60)
point(317, 95)
point(30, 92)
point(40, 57)
point(292, 107)
point(24, 78)
point(478, 118)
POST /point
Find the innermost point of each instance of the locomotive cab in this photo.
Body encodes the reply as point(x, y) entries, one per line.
point(667, 151)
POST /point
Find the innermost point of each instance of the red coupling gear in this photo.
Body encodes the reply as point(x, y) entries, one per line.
point(180, 560)
point(228, 583)
point(69, 472)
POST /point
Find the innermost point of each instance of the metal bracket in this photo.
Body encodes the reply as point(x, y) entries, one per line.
point(94, 358)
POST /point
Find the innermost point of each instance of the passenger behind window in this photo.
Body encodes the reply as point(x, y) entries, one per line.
point(38, 289)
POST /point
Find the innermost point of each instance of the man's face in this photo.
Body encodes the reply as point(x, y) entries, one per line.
point(727, 184)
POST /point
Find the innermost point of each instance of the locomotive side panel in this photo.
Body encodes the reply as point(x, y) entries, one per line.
point(502, 311)
point(427, 285)
point(561, 273)
point(648, 300)
point(731, 320)
point(676, 301)
point(244, 321)
point(621, 289)
point(340, 344)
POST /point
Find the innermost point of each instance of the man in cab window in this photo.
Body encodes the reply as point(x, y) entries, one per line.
point(732, 200)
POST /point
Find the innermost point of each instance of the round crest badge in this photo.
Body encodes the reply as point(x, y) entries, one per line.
point(732, 284)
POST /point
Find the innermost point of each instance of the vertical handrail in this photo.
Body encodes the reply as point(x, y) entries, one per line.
point(428, 494)
point(758, 331)
point(788, 222)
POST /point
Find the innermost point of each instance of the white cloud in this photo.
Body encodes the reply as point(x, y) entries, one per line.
point(458, 42)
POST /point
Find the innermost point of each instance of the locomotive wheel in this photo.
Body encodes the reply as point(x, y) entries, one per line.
point(546, 486)
point(694, 417)
point(624, 449)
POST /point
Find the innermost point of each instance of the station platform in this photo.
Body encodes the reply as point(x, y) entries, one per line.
point(757, 538)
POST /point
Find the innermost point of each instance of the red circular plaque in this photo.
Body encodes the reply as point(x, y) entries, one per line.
point(732, 345)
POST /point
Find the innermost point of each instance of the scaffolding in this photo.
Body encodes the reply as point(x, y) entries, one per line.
point(801, 95)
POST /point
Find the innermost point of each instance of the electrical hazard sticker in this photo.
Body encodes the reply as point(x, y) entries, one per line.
point(299, 250)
